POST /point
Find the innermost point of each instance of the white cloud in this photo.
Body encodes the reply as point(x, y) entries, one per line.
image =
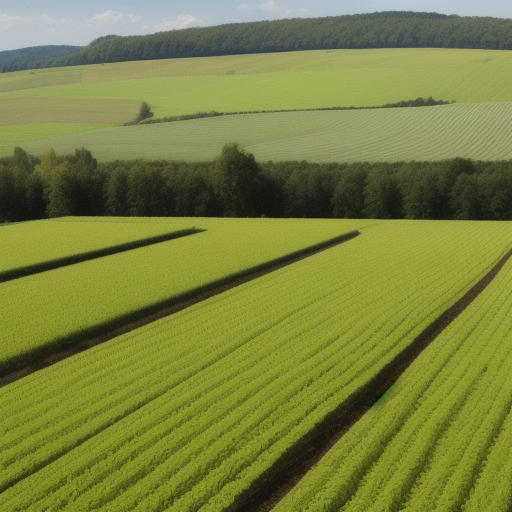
point(267, 6)
point(181, 21)
point(98, 20)
point(106, 18)
point(7, 22)
point(134, 18)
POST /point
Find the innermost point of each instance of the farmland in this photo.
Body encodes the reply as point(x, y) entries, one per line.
point(64, 302)
point(49, 243)
point(165, 362)
point(110, 94)
point(480, 131)
point(187, 412)
point(441, 438)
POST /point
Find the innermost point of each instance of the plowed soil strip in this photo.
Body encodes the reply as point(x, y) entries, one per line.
point(9, 275)
point(273, 486)
point(157, 312)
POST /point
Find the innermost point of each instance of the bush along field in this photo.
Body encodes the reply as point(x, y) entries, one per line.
point(188, 412)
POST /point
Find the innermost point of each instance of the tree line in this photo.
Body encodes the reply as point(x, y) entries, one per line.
point(396, 29)
point(236, 185)
point(32, 57)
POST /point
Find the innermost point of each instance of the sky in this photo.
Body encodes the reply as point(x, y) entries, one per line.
point(25, 23)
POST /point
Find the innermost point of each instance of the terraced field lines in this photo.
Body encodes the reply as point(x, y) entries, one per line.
point(480, 131)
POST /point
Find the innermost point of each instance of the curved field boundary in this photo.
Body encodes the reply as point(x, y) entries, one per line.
point(291, 467)
point(479, 131)
point(29, 270)
point(84, 340)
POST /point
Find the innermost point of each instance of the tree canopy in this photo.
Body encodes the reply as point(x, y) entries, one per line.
point(400, 29)
point(236, 185)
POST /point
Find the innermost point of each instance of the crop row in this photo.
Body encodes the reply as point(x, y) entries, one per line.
point(479, 131)
point(185, 413)
point(32, 245)
point(65, 302)
point(436, 441)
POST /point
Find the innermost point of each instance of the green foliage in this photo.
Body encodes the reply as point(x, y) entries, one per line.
point(236, 181)
point(145, 112)
point(236, 185)
point(348, 197)
point(32, 57)
point(378, 30)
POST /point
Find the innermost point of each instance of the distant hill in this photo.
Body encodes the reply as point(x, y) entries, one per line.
point(394, 29)
point(33, 57)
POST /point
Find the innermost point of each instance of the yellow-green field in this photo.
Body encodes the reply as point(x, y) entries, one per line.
point(67, 110)
point(480, 131)
point(110, 94)
point(22, 134)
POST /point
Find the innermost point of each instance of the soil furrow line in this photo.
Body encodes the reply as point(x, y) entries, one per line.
point(100, 334)
point(17, 273)
point(286, 473)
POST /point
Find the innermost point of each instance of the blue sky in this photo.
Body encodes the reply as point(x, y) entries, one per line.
point(26, 23)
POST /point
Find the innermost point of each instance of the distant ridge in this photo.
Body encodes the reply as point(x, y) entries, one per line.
point(32, 57)
point(391, 29)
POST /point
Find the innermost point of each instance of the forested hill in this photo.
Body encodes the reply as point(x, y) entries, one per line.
point(33, 57)
point(377, 30)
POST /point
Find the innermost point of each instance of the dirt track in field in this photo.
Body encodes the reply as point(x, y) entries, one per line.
point(273, 486)
point(92, 341)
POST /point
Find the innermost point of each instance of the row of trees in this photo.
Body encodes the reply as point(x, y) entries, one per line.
point(377, 30)
point(235, 185)
point(32, 57)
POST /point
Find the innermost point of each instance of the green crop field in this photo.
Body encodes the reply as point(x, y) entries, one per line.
point(480, 131)
point(21, 134)
point(280, 81)
point(440, 440)
point(110, 94)
point(64, 302)
point(34, 243)
point(186, 413)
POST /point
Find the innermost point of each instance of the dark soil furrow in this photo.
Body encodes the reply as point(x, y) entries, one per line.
point(80, 342)
point(273, 485)
point(44, 266)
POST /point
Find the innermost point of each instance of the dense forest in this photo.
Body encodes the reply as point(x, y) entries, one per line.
point(33, 57)
point(236, 185)
point(378, 30)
